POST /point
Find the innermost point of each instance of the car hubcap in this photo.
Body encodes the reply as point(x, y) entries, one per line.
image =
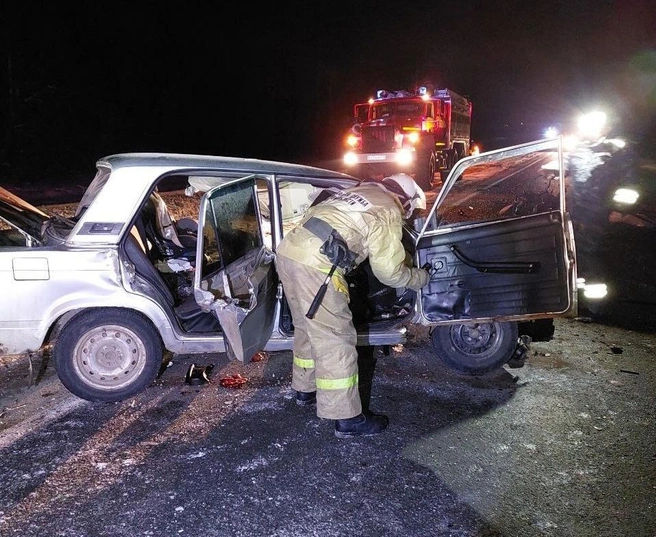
point(475, 338)
point(109, 356)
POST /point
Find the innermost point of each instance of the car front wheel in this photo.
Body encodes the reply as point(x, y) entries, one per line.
point(107, 354)
point(475, 348)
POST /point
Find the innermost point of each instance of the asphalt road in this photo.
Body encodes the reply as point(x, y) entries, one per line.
point(565, 446)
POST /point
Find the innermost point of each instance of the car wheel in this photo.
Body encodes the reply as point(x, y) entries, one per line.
point(475, 348)
point(107, 354)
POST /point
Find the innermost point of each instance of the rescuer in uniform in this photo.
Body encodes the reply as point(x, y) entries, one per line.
point(341, 229)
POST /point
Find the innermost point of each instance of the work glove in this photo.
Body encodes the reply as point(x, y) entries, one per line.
point(424, 276)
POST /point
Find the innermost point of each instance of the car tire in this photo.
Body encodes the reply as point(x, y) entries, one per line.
point(107, 355)
point(475, 348)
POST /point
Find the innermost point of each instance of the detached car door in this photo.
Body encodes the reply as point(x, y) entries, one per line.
point(499, 245)
point(235, 273)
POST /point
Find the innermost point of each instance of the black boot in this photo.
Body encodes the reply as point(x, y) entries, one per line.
point(361, 425)
point(306, 398)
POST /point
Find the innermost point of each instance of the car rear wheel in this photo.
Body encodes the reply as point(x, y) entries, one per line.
point(475, 348)
point(107, 354)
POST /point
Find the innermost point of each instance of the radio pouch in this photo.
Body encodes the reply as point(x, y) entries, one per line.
point(334, 246)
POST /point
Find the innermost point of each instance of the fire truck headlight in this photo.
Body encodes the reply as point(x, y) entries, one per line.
point(352, 140)
point(350, 158)
point(404, 156)
point(627, 196)
point(413, 137)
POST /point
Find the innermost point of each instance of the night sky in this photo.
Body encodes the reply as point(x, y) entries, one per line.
point(78, 82)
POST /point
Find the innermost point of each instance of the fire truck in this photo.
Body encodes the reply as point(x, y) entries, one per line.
point(422, 133)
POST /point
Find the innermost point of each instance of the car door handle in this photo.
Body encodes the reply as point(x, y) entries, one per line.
point(509, 267)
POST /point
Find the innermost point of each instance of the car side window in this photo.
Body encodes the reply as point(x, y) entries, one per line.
point(10, 236)
point(233, 222)
point(295, 200)
point(512, 187)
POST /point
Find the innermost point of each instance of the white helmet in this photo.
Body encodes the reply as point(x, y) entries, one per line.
point(409, 193)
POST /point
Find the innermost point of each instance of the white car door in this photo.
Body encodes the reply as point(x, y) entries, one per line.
point(235, 273)
point(498, 239)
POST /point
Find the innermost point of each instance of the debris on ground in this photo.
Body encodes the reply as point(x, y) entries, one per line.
point(233, 381)
point(260, 356)
point(519, 356)
point(198, 374)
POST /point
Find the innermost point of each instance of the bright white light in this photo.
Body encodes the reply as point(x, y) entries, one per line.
point(595, 290)
point(592, 290)
point(570, 142)
point(626, 195)
point(352, 140)
point(591, 124)
point(552, 165)
point(404, 156)
point(617, 142)
point(350, 158)
point(413, 137)
point(551, 132)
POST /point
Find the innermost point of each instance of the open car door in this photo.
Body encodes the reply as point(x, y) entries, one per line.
point(498, 239)
point(235, 273)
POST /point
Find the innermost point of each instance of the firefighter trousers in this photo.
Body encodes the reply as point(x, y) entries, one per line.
point(325, 356)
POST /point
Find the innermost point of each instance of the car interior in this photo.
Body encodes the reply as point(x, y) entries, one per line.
point(165, 265)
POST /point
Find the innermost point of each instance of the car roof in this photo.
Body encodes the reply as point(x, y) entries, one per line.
point(184, 162)
point(125, 179)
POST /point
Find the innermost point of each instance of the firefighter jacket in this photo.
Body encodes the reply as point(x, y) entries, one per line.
point(370, 220)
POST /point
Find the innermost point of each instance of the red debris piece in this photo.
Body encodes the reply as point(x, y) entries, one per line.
point(259, 356)
point(233, 381)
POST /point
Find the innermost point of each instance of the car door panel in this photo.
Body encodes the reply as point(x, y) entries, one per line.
point(519, 268)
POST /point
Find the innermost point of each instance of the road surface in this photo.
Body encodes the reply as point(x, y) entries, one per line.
point(564, 446)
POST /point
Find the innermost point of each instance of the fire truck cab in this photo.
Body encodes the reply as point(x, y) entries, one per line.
point(423, 134)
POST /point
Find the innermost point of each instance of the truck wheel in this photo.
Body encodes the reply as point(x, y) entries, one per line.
point(432, 170)
point(423, 176)
point(459, 151)
point(107, 354)
point(475, 348)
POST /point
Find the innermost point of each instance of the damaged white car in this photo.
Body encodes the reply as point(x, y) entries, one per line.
point(122, 281)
